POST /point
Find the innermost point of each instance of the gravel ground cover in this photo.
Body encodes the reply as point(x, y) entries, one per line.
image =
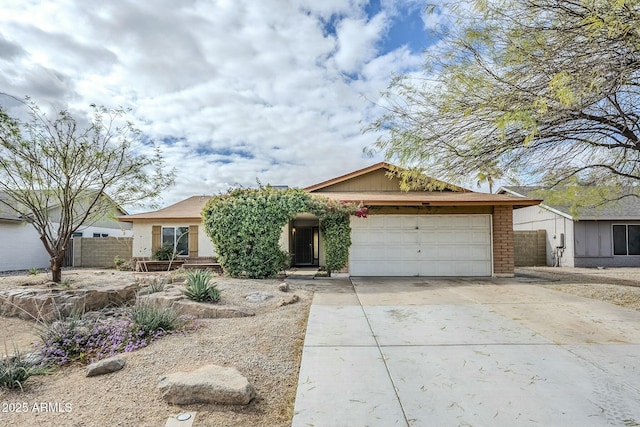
point(266, 348)
point(619, 286)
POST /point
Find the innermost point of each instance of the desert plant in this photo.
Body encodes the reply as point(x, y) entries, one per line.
point(77, 339)
point(14, 370)
point(199, 287)
point(165, 253)
point(156, 285)
point(33, 271)
point(151, 321)
point(121, 264)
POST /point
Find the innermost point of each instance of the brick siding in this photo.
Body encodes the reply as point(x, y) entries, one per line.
point(503, 252)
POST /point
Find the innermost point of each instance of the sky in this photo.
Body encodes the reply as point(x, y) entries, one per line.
point(233, 91)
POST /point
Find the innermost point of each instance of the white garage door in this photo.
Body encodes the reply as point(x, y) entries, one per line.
point(421, 245)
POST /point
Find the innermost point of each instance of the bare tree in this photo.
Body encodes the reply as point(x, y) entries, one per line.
point(548, 89)
point(58, 175)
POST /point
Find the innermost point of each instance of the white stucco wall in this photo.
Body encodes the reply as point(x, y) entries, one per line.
point(142, 238)
point(537, 218)
point(112, 232)
point(21, 247)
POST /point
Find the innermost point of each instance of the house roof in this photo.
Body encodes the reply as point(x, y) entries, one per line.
point(188, 209)
point(191, 208)
point(430, 198)
point(387, 167)
point(6, 212)
point(9, 214)
point(451, 195)
point(625, 208)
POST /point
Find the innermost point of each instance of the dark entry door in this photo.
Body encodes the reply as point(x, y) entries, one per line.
point(304, 246)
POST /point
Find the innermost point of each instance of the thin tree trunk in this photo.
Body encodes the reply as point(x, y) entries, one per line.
point(56, 269)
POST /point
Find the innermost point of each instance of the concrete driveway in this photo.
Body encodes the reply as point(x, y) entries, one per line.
point(423, 352)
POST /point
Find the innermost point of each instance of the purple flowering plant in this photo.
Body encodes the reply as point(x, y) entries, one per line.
point(84, 341)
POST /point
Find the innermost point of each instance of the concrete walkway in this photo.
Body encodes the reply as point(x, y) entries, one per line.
point(420, 352)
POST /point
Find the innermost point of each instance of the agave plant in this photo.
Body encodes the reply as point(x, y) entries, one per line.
point(14, 370)
point(199, 287)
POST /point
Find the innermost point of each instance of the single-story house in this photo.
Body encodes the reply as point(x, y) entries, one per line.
point(607, 235)
point(451, 232)
point(179, 226)
point(22, 248)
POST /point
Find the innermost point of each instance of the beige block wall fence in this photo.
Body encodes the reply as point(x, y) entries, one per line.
point(100, 251)
point(530, 248)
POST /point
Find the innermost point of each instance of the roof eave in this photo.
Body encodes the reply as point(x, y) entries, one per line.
point(158, 219)
point(515, 203)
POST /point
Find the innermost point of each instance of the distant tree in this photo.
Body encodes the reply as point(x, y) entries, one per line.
point(58, 175)
point(489, 173)
point(549, 89)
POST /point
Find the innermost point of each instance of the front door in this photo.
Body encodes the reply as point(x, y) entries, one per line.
point(303, 245)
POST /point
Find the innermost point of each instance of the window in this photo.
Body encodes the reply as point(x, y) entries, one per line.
point(100, 235)
point(76, 234)
point(626, 239)
point(176, 238)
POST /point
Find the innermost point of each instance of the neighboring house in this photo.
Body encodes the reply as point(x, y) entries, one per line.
point(453, 232)
point(22, 248)
point(602, 236)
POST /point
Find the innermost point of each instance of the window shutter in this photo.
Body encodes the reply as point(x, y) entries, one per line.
point(156, 237)
point(193, 241)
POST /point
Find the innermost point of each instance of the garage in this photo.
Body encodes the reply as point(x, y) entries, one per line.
point(421, 245)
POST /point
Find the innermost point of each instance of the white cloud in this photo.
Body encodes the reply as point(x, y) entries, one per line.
point(247, 89)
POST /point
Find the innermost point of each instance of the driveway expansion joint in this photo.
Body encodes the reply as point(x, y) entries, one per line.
point(382, 356)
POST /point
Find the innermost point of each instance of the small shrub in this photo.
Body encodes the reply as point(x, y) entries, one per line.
point(155, 285)
point(199, 287)
point(121, 264)
point(79, 340)
point(154, 321)
point(14, 371)
point(33, 271)
point(164, 253)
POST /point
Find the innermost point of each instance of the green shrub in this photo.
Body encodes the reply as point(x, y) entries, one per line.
point(164, 253)
point(33, 271)
point(121, 264)
point(14, 371)
point(245, 226)
point(78, 339)
point(199, 287)
point(151, 321)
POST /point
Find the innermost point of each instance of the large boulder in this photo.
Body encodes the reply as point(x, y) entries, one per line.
point(208, 384)
point(49, 304)
point(201, 310)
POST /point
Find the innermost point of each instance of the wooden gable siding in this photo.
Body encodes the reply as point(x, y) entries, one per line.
point(376, 180)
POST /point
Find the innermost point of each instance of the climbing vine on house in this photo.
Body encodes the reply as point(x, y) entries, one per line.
point(245, 226)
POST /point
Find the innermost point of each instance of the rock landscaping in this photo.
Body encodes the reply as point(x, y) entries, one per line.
point(208, 384)
point(105, 366)
point(50, 303)
point(263, 346)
